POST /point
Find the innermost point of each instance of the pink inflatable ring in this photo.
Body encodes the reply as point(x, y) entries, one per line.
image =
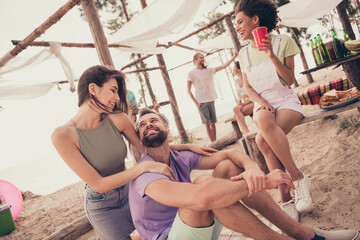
point(11, 195)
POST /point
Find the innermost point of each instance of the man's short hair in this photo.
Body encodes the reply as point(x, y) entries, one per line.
point(145, 111)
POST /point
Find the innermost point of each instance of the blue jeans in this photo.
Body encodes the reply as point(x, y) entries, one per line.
point(109, 212)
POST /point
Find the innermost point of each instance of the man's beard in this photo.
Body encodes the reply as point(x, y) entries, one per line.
point(154, 141)
point(203, 65)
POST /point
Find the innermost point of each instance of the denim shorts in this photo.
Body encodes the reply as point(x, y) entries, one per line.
point(109, 212)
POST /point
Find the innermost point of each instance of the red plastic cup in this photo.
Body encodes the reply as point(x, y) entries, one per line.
point(260, 34)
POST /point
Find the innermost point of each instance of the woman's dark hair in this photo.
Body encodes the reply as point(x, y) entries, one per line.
point(264, 9)
point(100, 75)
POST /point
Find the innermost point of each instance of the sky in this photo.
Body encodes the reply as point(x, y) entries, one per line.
point(26, 125)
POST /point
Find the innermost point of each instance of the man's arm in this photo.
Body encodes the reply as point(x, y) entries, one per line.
point(189, 84)
point(226, 64)
point(207, 192)
point(253, 175)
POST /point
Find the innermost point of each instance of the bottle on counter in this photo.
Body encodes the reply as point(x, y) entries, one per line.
point(324, 49)
point(315, 53)
point(347, 38)
point(337, 45)
point(322, 57)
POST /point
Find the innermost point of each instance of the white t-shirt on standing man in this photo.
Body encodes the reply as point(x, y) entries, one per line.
point(203, 81)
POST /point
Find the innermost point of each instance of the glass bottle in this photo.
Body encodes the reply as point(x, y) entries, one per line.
point(337, 46)
point(321, 56)
point(324, 49)
point(315, 53)
point(347, 38)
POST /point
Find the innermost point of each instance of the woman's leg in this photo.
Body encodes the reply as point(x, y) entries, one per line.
point(273, 130)
point(240, 117)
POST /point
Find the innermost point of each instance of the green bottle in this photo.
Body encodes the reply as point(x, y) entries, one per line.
point(324, 49)
point(315, 53)
point(337, 46)
point(347, 38)
point(321, 56)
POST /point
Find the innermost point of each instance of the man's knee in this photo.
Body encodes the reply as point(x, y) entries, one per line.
point(226, 169)
point(195, 218)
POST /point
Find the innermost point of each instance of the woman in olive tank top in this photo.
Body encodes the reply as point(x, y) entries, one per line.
point(92, 145)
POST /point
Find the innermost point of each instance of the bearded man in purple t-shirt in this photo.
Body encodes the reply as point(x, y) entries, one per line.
point(178, 209)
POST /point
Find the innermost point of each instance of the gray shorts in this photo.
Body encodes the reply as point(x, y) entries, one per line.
point(109, 212)
point(207, 112)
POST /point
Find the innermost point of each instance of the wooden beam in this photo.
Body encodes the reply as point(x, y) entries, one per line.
point(97, 32)
point(190, 48)
point(202, 28)
point(77, 45)
point(74, 230)
point(38, 31)
point(136, 61)
point(187, 36)
point(143, 70)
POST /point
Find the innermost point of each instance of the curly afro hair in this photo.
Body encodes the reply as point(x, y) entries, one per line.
point(264, 9)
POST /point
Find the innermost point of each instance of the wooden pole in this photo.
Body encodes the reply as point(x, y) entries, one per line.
point(97, 32)
point(190, 48)
point(173, 103)
point(228, 78)
point(147, 80)
point(233, 34)
point(344, 19)
point(170, 92)
point(303, 59)
point(77, 45)
point(38, 31)
point(143, 70)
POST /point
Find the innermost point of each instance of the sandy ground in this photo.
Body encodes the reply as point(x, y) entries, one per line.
point(330, 159)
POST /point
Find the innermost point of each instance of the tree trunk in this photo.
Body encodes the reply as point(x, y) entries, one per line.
point(344, 19)
point(352, 71)
point(352, 68)
point(233, 34)
point(174, 106)
point(97, 32)
point(147, 81)
point(303, 59)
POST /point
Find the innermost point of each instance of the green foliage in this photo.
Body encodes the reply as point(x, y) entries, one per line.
point(213, 31)
point(353, 122)
point(115, 10)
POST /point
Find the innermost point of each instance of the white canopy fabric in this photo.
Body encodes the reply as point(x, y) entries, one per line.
point(303, 13)
point(160, 19)
point(221, 42)
point(19, 90)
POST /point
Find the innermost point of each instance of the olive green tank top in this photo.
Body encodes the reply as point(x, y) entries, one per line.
point(103, 147)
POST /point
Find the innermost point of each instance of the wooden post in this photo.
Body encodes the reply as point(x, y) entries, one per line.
point(174, 106)
point(352, 68)
point(303, 59)
point(97, 32)
point(233, 34)
point(344, 19)
point(147, 81)
point(38, 31)
point(254, 152)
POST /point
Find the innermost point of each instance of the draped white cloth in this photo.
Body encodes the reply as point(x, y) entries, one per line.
point(160, 19)
point(19, 90)
point(23, 90)
point(303, 13)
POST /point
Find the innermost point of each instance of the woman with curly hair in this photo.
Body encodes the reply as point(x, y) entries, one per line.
point(267, 76)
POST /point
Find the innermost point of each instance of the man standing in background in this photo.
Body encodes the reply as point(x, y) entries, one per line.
point(205, 93)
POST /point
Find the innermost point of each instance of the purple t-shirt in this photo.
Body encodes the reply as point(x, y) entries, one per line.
point(153, 220)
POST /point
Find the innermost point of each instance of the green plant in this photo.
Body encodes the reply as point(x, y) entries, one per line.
point(352, 122)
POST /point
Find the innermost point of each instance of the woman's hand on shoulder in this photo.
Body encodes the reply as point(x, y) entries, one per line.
point(157, 167)
point(203, 150)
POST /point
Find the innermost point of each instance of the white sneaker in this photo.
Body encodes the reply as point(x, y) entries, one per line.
point(303, 199)
point(290, 209)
